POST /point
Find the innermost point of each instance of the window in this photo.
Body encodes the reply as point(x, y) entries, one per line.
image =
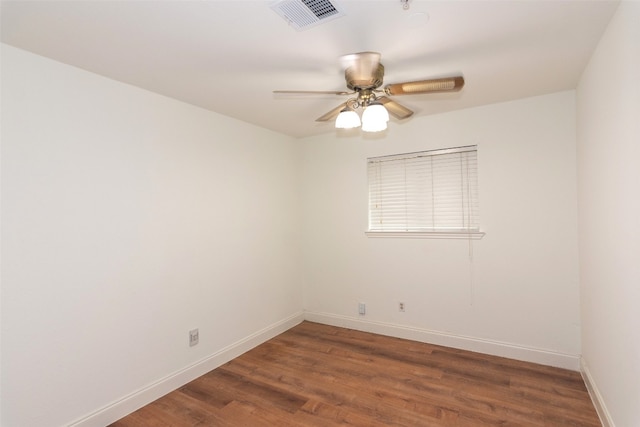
point(425, 194)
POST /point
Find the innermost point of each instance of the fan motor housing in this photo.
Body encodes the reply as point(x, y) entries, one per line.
point(355, 81)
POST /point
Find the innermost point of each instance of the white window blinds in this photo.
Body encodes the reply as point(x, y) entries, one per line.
point(429, 191)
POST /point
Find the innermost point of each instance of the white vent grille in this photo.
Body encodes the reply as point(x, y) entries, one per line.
point(304, 14)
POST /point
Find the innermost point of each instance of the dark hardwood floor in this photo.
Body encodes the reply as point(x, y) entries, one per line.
point(318, 375)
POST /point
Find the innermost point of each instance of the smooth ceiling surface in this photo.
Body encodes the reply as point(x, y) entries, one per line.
point(228, 56)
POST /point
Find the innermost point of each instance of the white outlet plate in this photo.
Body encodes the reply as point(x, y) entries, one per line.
point(194, 337)
point(362, 308)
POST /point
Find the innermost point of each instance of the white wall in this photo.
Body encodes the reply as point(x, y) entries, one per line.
point(518, 298)
point(608, 111)
point(127, 220)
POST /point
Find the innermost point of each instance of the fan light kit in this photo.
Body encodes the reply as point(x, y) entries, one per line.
point(364, 74)
point(374, 117)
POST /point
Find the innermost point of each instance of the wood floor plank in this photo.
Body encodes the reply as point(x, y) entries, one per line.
point(247, 413)
point(401, 396)
point(347, 376)
point(320, 375)
point(381, 382)
point(320, 413)
point(341, 392)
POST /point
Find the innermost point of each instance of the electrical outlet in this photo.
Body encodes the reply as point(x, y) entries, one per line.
point(401, 306)
point(194, 337)
point(362, 308)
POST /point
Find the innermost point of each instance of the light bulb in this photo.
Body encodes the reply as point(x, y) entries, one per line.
point(375, 118)
point(347, 119)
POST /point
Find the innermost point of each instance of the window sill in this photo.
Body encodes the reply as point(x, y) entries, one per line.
point(474, 235)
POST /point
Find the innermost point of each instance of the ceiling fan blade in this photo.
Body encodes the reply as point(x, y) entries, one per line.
point(396, 110)
point(449, 84)
point(332, 114)
point(313, 92)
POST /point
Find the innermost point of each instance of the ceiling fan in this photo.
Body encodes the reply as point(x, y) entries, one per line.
point(364, 75)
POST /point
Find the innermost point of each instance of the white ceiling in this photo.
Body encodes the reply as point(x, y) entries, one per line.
point(228, 56)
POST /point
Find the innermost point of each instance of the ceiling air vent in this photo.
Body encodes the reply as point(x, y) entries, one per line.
point(304, 14)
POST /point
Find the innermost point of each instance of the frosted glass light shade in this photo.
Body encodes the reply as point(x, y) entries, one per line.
point(347, 119)
point(374, 118)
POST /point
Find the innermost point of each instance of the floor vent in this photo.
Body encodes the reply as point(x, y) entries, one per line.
point(304, 14)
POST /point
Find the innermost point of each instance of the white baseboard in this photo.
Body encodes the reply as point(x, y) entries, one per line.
point(496, 348)
point(148, 394)
point(596, 397)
